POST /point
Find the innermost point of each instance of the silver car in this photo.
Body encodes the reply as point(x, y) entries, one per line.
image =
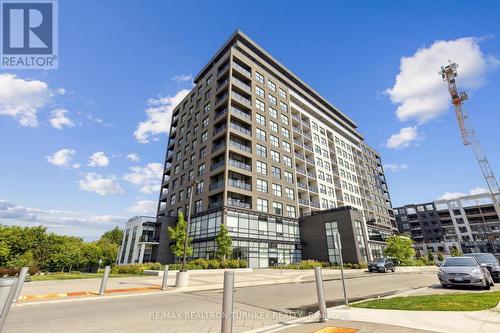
point(464, 271)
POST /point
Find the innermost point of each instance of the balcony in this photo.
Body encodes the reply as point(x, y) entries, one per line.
point(149, 239)
point(296, 117)
point(217, 165)
point(240, 146)
point(219, 129)
point(308, 147)
point(297, 129)
point(315, 204)
point(307, 135)
point(239, 184)
point(215, 204)
point(313, 189)
point(240, 129)
point(241, 84)
point(310, 160)
point(299, 155)
point(301, 185)
point(238, 203)
point(240, 165)
point(242, 70)
point(222, 84)
point(223, 69)
point(304, 202)
point(243, 100)
point(216, 185)
point(311, 174)
point(218, 146)
point(302, 171)
point(298, 142)
point(220, 113)
point(240, 113)
point(221, 98)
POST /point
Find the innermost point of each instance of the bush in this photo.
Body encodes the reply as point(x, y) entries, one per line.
point(174, 267)
point(243, 263)
point(355, 266)
point(213, 264)
point(309, 264)
point(234, 263)
point(200, 262)
point(363, 265)
point(130, 269)
point(155, 266)
point(224, 264)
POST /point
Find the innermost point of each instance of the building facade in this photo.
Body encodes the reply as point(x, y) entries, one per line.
point(140, 241)
point(469, 224)
point(262, 149)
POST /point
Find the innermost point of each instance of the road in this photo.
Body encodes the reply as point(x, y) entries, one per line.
point(198, 311)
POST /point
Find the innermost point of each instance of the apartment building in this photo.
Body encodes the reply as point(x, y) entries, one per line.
point(140, 241)
point(469, 224)
point(261, 149)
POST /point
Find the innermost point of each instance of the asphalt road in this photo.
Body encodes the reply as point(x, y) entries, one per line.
point(199, 311)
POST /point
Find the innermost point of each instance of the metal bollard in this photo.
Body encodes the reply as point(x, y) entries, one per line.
point(227, 303)
point(321, 294)
point(104, 280)
point(22, 277)
point(7, 291)
point(165, 278)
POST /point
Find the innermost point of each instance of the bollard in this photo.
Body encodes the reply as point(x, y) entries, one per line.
point(321, 294)
point(104, 280)
point(7, 291)
point(227, 303)
point(165, 278)
point(20, 283)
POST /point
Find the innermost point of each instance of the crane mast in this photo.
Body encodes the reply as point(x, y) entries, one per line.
point(469, 137)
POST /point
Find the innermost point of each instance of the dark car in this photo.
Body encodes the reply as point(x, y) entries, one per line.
point(381, 265)
point(489, 261)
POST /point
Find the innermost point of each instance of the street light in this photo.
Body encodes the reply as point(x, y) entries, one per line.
point(183, 268)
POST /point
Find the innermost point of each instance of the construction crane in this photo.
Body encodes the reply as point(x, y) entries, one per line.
point(469, 137)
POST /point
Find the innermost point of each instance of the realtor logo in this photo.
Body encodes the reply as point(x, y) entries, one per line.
point(29, 34)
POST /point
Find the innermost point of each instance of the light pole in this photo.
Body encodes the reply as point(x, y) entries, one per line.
point(183, 268)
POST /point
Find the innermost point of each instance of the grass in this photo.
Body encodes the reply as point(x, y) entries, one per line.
point(72, 276)
point(447, 302)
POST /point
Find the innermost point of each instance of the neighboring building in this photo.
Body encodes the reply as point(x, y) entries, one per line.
point(468, 224)
point(263, 149)
point(140, 241)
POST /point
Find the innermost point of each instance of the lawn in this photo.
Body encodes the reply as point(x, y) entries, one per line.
point(447, 302)
point(71, 276)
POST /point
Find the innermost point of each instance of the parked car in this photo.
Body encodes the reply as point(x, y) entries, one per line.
point(381, 265)
point(488, 260)
point(464, 271)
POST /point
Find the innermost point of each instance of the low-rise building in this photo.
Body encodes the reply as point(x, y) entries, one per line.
point(140, 241)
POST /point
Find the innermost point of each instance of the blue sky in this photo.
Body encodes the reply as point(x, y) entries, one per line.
point(117, 59)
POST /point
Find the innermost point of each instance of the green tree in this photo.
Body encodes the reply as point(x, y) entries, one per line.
point(224, 243)
point(455, 253)
point(177, 234)
point(115, 236)
point(401, 248)
point(4, 253)
point(430, 256)
point(440, 257)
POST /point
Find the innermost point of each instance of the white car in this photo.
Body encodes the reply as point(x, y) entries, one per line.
point(464, 271)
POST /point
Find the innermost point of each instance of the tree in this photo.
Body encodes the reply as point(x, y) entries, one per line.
point(224, 243)
point(430, 256)
point(115, 236)
point(177, 234)
point(401, 248)
point(440, 257)
point(455, 252)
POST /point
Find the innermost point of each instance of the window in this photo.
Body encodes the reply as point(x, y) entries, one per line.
point(205, 122)
point(286, 146)
point(276, 172)
point(209, 80)
point(177, 169)
point(273, 126)
point(199, 187)
point(261, 186)
point(261, 150)
point(274, 140)
point(260, 134)
point(204, 136)
point(273, 112)
point(191, 175)
point(277, 190)
point(271, 85)
point(275, 156)
point(288, 177)
point(194, 143)
point(261, 120)
point(259, 91)
point(283, 107)
point(259, 77)
point(273, 100)
point(285, 132)
point(322, 189)
point(290, 211)
point(203, 152)
point(201, 169)
point(198, 205)
point(172, 199)
point(282, 93)
point(262, 167)
point(262, 205)
point(287, 160)
point(290, 194)
point(278, 208)
point(260, 105)
point(284, 119)
point(193, 157)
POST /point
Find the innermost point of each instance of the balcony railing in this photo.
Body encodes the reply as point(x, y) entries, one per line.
point(307, 135)
point(310, 160)
point(218, 146)
point(301, 185)
point(237, 203)
point(220, 113)
point(241, 84)
point(217, 165)
point(308, 147)
point(222, 69)
point(313, 189)
point(240, 113)
point(311, 174)
point(315, 204)
point(298, 142)
point(222, 84)
point(216, 204)
point(149, 239)
point(240, 129)
point(241, 99)
point(295, 116)
point(219, 129)
point(239, 184)
point(240, 146)
point(301, 170)
point(240, 165)
point(242, 70)
point(216, 185)
point(299, 155)
point(304, 202)
point(297, 129)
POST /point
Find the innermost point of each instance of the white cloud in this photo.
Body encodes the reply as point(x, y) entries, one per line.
point(183, 78)
point(419, 90)
point(102, 185)
point(23, 99)
point(404, 138)
point(148, 178)
point(456, 195)
point(60, 221)
point(63, 158)
point(133, 157)
point(98, 159)
point(159, 114)
point(144, 207)
point(395, 167)
point(59, 119)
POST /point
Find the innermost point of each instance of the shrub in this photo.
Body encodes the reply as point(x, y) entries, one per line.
point(200, 262)
point(224, 264)
point(309, 264)
point(355, 266)
point(363, 265)
point(243, 263)
point(174, 267)
point(213, 264)
point(348, 265)
point(130, 269)
point(156, 266)
point(233, 263)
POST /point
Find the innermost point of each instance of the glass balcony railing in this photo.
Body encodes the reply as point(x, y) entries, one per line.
point(240, 113)
point(240, 146)
point(238, 203)
point(217, 165)
point(241, 99)
point(239, 184)
point(242, 70)
point(240, 129)
point(216, 185)
point(240, 165)
point(241, 84)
